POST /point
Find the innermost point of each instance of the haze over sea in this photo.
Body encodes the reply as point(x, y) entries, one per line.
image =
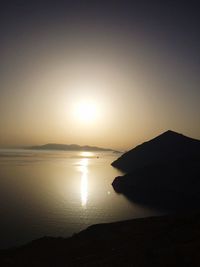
point(58, 193)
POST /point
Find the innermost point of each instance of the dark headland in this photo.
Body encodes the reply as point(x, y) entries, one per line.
point(166, 148)
point(164, 173)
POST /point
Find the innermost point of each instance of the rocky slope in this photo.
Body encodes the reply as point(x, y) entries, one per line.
point(157, 241)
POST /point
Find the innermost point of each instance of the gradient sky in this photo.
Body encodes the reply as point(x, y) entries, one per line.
point(138, 62)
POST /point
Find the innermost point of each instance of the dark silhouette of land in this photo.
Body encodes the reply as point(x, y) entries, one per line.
point(158, 241)
point(72, 147)
point(165, 148)
point(163, 173)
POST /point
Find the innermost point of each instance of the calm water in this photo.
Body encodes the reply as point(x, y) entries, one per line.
point(58, 194)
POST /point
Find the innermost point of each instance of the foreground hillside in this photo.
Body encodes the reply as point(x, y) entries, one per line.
point(156, 241)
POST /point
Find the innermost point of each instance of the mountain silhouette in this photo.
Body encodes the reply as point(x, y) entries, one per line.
point(72, 147)
point(163, 173)
point(165, 148)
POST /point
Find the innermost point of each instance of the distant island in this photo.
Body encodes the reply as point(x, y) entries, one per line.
point(163, 173)
point(71, 147)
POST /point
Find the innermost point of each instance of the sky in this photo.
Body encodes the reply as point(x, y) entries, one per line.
point(104, 73)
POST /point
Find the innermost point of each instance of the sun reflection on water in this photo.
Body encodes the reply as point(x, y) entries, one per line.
point(86, 154)
point(84, 181)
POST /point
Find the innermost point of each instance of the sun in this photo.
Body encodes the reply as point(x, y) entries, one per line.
point(86, 111)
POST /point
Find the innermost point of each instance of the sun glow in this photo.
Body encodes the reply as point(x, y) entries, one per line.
point(86, 111)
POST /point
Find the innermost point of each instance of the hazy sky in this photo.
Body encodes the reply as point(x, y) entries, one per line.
point(137, 62)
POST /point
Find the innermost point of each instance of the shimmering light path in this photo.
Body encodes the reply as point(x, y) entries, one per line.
point(84, 181)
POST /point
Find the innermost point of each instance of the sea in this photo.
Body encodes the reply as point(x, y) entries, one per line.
point(58, 193)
